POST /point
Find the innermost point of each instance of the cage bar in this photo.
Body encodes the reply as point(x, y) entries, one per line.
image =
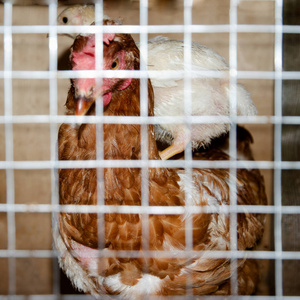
point(9, 119)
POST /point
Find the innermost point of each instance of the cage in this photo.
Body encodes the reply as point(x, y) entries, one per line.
point(260, 41)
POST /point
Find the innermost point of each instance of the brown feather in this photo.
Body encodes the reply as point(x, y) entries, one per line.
point(122, 186)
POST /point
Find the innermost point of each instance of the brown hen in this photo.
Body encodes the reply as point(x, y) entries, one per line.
point(87, 260)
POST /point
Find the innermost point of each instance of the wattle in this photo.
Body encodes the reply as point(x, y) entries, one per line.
point(106, 98)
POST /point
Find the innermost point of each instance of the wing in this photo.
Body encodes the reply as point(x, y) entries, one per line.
point(249, 184)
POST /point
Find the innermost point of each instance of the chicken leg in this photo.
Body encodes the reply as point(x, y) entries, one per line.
point(183, 137)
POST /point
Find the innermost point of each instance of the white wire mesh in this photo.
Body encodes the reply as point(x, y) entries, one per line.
point(9, 151)
point(53, 119)
point(277, 145)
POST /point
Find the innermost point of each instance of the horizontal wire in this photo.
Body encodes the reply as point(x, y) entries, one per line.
point(55, 297)
point(268, 75)
point(136, 29)
point(256, 1)
point(198, 164)
point(52, 297)
point(149, 210)
point(88, 297)
point(159, 75)
point(72, 119)
point(176, 254)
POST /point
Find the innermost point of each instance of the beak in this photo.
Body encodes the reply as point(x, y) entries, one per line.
point(85, 97)
point(82, 105)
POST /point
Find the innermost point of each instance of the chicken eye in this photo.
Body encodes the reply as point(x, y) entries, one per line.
point(65, 20)
point(114, 65)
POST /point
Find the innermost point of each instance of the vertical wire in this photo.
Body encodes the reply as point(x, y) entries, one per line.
point(52, 15)
point(9, 145)
point(277, 148)
point(232, 141)
point(188, 5)
point(99, 125)
point(144, 127)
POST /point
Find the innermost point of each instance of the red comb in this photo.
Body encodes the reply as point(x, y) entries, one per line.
point(108, 37)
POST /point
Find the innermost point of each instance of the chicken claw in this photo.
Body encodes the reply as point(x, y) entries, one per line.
point(178, 145)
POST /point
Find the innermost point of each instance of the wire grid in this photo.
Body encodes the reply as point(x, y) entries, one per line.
point(8, 119)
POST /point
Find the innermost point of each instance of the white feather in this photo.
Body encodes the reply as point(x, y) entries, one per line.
point(71, 267)
point(217, 225)
point(146, 285)
point(210, 96)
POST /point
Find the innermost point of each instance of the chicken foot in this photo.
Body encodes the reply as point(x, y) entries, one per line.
point(178, 145)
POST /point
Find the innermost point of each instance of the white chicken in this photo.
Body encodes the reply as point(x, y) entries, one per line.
point(76, 15)
point(209, 96)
